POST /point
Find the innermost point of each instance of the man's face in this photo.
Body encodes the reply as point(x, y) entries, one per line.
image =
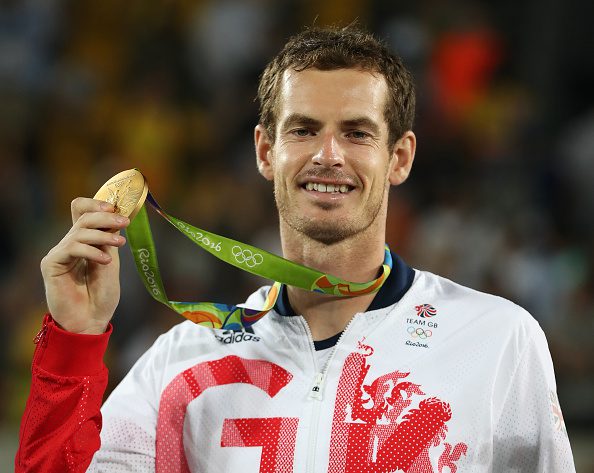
point(330, 161)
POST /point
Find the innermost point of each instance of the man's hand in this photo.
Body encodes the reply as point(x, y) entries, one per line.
point(81, 273)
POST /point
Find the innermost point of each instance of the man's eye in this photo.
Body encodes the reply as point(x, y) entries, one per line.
point(302, 132)
point(358, 135)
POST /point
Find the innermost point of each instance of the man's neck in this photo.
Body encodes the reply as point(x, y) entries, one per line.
point(356, 259)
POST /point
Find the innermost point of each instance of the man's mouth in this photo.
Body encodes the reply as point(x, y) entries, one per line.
point(328, 188)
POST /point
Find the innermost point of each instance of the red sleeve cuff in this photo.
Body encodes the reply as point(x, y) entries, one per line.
point(70, 354)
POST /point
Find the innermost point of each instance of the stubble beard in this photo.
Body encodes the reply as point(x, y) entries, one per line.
point(327, 231)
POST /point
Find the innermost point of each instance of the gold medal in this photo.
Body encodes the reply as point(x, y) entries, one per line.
point(126, 191)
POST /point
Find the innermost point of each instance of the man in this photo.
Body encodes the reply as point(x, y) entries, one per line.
point(422, 375)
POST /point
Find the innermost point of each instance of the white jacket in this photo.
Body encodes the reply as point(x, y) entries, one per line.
point(444, 376)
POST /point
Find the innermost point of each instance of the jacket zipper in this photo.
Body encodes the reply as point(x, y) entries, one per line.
point(316, 392)
point(41, 334)
point(40, 341)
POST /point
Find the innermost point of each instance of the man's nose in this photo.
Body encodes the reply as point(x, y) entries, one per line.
point(330, 154)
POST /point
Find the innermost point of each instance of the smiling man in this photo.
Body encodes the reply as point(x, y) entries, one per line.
point(419, 375)
point(332, 159)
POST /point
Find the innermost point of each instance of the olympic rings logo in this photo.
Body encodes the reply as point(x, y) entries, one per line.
point(417, 332)
point(246, 257)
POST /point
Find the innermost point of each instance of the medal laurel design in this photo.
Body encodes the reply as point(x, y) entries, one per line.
point(126, 191)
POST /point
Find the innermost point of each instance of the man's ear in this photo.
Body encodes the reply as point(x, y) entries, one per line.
point(403, 156)
point(263, 152)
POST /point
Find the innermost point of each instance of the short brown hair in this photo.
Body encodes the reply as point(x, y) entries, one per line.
point(341, 48)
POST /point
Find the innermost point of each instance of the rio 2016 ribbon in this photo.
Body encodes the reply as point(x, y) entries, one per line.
point(242, 256)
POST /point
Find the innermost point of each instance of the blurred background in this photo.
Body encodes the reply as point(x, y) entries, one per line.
point(500, 199)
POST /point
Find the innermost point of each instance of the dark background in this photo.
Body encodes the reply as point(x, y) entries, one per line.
point(501, 196)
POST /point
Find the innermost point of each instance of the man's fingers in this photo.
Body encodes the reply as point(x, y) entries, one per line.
point(97, 237)
point(93, 237)
point(92, 245)
point(82, 205)
point(101, 220)
point(65, 254)
point(91, 253)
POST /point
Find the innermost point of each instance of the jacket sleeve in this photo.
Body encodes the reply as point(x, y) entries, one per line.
point(529, 434)
point(62, 420)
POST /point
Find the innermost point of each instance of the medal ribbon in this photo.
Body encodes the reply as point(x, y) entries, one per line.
point(242, 256)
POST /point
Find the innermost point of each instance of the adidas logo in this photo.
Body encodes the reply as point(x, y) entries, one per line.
point(229, 336)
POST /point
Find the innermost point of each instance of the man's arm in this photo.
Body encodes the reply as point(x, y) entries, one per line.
point(529, 434)
point(61, 423)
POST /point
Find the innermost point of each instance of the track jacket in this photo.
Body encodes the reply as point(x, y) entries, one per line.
point(432, 375)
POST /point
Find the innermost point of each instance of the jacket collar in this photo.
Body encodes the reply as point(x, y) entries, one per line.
point(398, 283)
